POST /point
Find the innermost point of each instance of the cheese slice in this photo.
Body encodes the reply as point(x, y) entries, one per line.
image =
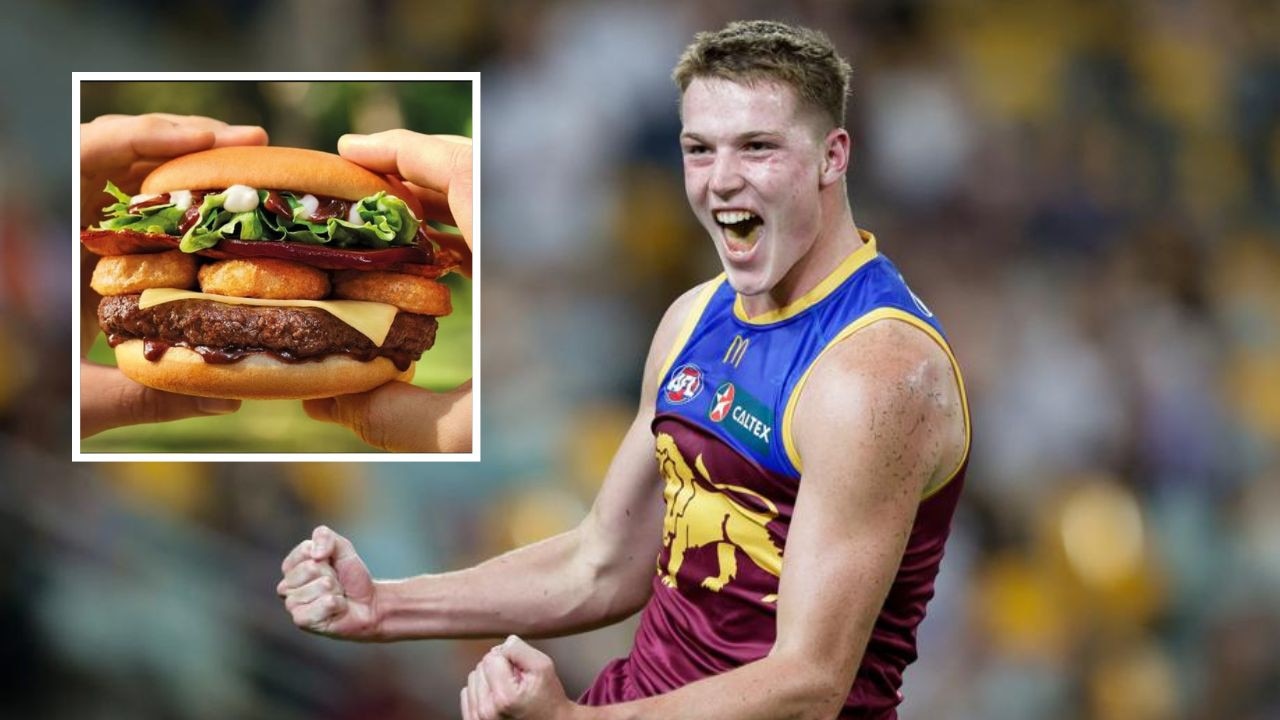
point(371, 319)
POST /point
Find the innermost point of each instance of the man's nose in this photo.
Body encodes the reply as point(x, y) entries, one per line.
point(726, 175)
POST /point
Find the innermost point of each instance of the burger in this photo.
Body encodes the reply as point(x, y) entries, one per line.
point(269, 273)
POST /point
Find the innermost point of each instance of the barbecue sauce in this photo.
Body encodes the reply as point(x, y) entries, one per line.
point(154, 350)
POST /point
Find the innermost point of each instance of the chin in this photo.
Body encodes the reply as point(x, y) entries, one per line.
point(747, 283)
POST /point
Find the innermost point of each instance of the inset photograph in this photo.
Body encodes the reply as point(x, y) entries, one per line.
point(275, 267)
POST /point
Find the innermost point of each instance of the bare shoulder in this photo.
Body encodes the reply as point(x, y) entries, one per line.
point(673, 322)
point(891, 391)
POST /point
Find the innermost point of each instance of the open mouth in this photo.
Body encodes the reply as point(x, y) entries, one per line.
point(741, 228)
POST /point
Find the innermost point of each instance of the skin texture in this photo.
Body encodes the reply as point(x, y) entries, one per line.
point(399, 416)
point(879, 420)
point(124, 149)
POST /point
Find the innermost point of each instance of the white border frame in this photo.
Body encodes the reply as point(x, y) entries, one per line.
point(472, 77)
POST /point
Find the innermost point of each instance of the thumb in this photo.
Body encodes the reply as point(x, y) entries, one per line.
point(108, 399)
point(323, 542)
point(523, 655)
point(327, 544)
point(402, 417)
point(337, 550)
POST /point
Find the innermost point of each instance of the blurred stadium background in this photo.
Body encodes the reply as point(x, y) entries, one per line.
point(1085, 192)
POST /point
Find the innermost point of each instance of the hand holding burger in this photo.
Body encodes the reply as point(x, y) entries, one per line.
point(399, 416)
point(127, 148)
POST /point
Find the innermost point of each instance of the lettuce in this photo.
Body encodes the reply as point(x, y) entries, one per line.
point(162, 218)
point(204, 234)
point(385, 220)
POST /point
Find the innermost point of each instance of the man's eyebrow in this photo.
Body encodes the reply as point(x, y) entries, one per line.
point(743, 137)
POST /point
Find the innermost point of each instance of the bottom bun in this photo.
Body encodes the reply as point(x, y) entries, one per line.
point(256, 377)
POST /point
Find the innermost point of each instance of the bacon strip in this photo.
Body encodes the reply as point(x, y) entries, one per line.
point(412, 260)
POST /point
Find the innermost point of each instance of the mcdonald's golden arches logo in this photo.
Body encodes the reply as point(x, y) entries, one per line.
point(737, 348)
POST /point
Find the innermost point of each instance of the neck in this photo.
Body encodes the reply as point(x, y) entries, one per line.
point(837, 238)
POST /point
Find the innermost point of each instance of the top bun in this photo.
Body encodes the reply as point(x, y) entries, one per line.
point(274, 168)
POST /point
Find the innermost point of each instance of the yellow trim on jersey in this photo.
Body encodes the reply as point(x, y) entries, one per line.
point(885, 313)
point(847, 267)
point(690, 321)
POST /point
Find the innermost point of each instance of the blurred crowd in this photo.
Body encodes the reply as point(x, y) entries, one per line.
point(1087, 194)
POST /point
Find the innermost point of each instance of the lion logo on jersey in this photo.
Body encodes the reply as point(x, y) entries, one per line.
point(698, 516)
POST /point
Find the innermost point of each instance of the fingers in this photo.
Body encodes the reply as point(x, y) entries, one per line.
point(234, 135)
point(174, 139)
point(484, 697)
point(472, 696)
point(300, 552)
point(303, 573)
point(324, 542)
point(438, 162)
point(496, 688)
point(172, 135)
point(402, 417)
point(115, 142)
point(108, 399)
point(435, 204)
point(325, 585)
point(318, 587)
point(320, 613)
point(327, 544)
point(312, 593)
point(466, 703)
point(500, 677)
point(431, 161)
point(125, 148)
point(324, 549)
point(523, 656)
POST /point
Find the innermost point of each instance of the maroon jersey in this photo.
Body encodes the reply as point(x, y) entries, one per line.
point(731, 479)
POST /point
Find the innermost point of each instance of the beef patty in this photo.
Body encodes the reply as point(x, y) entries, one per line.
point(295, 333)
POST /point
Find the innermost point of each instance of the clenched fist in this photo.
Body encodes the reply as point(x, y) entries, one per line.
point(327, 588)
point(515, 681)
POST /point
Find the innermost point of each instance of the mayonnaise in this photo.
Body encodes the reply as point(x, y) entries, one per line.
point(353, 215)
point(309, 205)
point(240, 198)
point(181, 199)
point(141, 198)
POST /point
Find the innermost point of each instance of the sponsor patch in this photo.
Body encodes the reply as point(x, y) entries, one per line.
point(684, 385)
point(743, 416)
point(722, 403)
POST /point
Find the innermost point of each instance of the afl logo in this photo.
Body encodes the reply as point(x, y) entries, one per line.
point(722, 403)
point(684, 385)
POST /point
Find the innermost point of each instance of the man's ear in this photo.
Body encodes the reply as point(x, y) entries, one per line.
point(835, 161)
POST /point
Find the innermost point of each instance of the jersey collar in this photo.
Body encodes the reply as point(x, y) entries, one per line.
point(843, 271)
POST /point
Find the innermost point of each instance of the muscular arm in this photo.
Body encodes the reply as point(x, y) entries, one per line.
point(879, 418)
point(593, 575)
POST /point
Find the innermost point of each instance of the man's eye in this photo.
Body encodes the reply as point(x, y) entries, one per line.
point(695, 149)
point(757, 146)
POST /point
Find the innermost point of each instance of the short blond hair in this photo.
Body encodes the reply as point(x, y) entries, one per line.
point(749, 51)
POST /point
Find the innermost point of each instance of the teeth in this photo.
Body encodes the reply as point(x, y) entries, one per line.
point(732, 217)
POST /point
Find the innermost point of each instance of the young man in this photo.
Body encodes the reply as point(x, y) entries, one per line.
point(811, 435)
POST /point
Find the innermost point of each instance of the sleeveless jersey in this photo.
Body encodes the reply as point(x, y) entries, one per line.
point(723, 440)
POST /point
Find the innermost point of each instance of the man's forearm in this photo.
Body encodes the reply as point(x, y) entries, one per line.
point(545, 589)
point(772, 688)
